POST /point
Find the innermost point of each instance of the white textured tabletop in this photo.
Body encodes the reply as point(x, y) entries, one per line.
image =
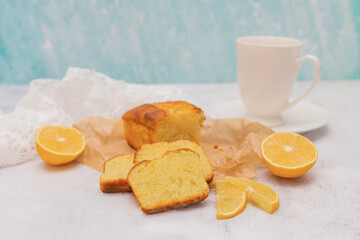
point(38, 201)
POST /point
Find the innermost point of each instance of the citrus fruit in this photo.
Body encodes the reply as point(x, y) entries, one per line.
point(257, 193)
point(59, 145)
point(288, 155)
point(230, 199)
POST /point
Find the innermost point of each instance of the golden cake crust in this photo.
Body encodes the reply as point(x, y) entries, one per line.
point(114, 186)
point(148, 115)
point(141, 124)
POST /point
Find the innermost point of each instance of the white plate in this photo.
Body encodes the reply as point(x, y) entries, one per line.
point(303, 117)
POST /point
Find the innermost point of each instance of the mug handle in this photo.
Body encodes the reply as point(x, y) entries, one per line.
point(317, 64)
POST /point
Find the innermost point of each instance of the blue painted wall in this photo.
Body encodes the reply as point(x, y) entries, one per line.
point(169, 41)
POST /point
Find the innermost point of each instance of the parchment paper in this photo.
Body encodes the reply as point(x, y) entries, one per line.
point(232, 145)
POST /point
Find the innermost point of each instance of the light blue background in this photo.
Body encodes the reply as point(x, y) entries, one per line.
point(169, 41)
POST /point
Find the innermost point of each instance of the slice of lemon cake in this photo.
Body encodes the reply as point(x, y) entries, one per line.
point(156, 150)
point(174, 180)
point(115, 173)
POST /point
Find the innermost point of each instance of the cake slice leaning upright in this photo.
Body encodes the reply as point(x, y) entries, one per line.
point(174, 180)
point(157, 150)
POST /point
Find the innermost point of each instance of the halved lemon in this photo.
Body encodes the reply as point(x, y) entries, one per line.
point(230, 199)
point(257, 193)
point(288, 155)
point(59, 145)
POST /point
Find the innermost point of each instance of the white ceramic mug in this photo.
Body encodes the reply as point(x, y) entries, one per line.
point(267, 68)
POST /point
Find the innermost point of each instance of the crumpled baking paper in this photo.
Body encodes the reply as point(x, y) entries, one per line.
point(232, 145)
point(81, 93)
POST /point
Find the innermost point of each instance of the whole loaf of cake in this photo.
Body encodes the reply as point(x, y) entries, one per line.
point(163, 122)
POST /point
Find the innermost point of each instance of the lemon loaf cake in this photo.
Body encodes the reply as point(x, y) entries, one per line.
point(163, 122)
point(156, 150)
point(115, 174)
point(174, 180)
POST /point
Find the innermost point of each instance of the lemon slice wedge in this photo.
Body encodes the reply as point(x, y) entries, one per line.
point(230, 199)
point(260, 195)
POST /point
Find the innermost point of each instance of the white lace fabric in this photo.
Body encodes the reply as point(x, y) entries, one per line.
point(81, 93)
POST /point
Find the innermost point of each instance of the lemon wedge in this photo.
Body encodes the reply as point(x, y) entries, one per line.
point(230, 199)
point(260, 195)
